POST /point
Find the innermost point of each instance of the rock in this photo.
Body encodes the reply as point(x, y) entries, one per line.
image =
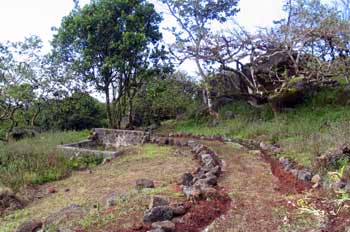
point(216, 171)
point(179, 211)
point(158, 201)
point(178, 143)
point(294, 172)
point(144, 183)
point(304, 175)
point(283, 161)
point(208, 181)
point(187, 179)
point(208, 161)
point(156, 230)
point(160, 213)
point(316, 179)
point(192, 143)
point(229, 115)
point(111, 201)
point(192, 192)
point(209, 192)
point(289, 167)
point(30, 226)
point(166, 226)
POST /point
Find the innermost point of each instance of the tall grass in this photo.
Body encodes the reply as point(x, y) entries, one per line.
point(35, 160)
point(306, 131)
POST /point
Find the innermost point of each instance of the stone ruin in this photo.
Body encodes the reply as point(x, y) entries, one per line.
point(110, 140)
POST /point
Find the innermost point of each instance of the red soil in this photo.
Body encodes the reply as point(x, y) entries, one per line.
point(289, 184)
point(203, 214)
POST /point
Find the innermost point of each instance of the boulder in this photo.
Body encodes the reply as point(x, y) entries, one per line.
point(30, 226)
point(159, 213)
point(166, 226)
point(144, 183)
point(158, 201)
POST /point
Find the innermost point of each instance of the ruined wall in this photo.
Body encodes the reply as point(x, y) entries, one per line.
point(119, 138)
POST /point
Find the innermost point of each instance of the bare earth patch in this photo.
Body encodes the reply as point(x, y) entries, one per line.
point(90, 190)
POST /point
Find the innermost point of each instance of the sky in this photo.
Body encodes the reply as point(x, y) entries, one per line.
point(22, 18)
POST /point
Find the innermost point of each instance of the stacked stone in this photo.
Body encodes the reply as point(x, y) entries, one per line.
point(202, 183)
point(195, 186)
point(291, 167)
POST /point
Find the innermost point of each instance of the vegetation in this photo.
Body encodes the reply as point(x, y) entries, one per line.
point(306, 132)
point(36, 160)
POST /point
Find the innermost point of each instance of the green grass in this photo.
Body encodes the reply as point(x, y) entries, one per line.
point(35, 160)
point(307, 131)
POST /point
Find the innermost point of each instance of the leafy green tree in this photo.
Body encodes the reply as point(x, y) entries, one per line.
point(166, 98)
point(76, 112)
point(109, 44)
point(21, 78)
point(196, 20)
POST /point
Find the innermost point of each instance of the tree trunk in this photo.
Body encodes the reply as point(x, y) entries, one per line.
point(35, 116)
point(206, 92)
point(108, 108)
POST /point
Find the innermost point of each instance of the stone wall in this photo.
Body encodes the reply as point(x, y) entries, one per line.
point(120, 138)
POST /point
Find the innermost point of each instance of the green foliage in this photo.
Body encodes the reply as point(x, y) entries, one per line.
point(166, 97)
point(83, 162)
point(35, 160)
point(77, 112)
point(110, 44)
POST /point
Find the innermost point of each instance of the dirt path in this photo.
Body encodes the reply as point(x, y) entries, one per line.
point(257, 202)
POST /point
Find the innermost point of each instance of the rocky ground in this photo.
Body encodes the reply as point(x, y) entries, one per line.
point(251, 192)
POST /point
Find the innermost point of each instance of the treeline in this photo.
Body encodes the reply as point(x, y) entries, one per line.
point(115, 49)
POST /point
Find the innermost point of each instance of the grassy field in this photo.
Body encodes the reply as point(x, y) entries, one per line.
point(35, 160)
point(117, 178)
point(305, 132)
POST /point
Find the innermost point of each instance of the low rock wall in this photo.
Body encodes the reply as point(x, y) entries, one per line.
point(120, 138)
